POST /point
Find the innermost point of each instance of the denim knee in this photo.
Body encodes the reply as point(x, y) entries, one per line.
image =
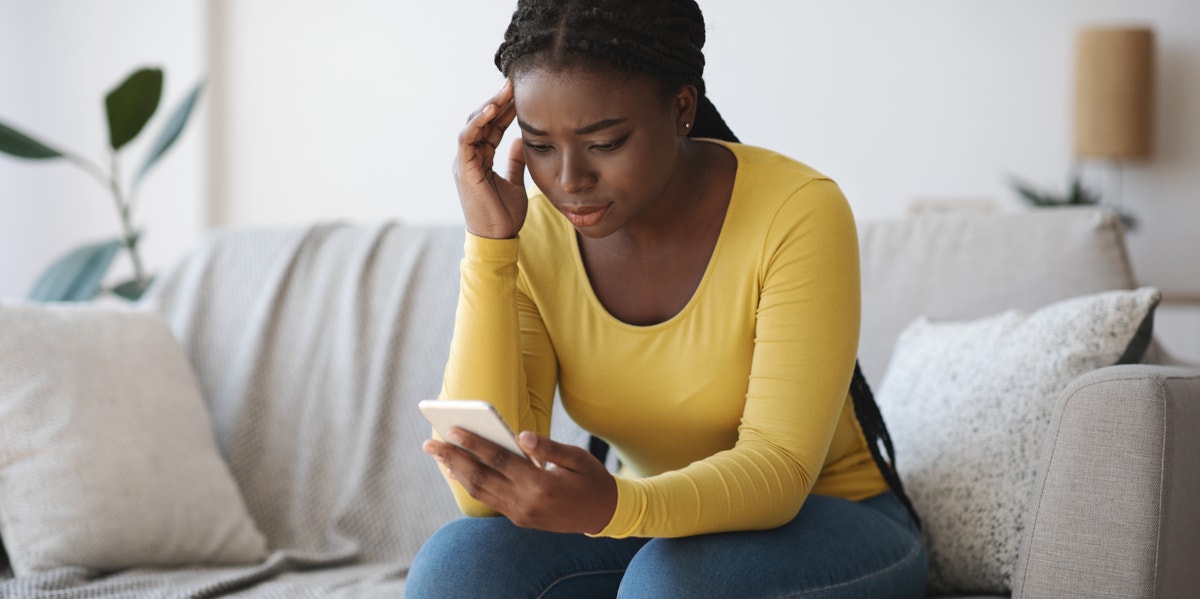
point(491, 557)
point(833, 548)
point(461, 558)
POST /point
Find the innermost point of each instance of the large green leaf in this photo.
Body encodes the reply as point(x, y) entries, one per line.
point(22, 146)
point(76, 277)
point(132, 290)
point(131, 104)
point(170, 131)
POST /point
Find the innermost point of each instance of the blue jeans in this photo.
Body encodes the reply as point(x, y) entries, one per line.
point(833, 548)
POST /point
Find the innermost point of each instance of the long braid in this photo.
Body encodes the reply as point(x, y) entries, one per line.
point(710, 124)
point(875, 431)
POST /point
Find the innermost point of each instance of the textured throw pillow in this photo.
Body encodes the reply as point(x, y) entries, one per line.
point(107, 457)
point(967, 405)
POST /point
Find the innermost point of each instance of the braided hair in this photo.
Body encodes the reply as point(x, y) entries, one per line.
point(876, 433)
point(662, 39)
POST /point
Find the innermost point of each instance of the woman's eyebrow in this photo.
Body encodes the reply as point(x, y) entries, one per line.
point(592, 128)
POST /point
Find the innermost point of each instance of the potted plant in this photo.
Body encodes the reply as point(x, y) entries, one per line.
point(1077, 195)
point(79, 275)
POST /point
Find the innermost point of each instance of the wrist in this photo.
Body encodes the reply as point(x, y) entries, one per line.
point(605, 507)
point(485, 234)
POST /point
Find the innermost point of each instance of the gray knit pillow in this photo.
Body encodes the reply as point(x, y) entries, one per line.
point(967, 405)
point(107, 458)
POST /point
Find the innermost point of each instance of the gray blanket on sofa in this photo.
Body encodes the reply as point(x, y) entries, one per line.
point(312, 347)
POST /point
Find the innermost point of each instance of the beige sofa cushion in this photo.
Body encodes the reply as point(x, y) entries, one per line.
point(107, 457)
point(968, 266)
point(968, 403)
point(1114, 508)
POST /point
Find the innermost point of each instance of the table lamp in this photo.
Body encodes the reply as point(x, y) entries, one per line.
point(1114, 95)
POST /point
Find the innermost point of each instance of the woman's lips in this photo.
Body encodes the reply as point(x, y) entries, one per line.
point(584, 216)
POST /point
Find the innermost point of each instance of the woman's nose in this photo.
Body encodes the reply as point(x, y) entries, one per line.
point(574, 174)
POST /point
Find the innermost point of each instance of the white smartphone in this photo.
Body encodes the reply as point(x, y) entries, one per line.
point(474, 415)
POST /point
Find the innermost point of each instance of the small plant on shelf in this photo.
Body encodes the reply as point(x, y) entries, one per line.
point(1076, 195)
point(79, 275)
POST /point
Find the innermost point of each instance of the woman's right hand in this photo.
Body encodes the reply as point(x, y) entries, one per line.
point(493, 206)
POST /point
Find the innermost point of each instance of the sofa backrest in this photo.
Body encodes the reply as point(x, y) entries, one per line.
point(312, 347)
point(973, 265)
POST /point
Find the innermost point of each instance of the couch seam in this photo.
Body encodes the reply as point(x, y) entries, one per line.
point(1041, 493)
point(1162, 483)
point(1158, 377)
point(1158, 380)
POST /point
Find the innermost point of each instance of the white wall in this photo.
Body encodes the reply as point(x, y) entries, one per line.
point(945, 99)
point(349, 110)
point(58, 58)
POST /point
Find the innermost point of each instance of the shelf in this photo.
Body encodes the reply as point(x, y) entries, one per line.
point(1181, 299)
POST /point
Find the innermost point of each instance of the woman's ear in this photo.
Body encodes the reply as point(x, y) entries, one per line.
point(684, 106)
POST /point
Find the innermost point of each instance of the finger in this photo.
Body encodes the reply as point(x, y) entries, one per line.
point(504, 117)
point(494, 130)
point(441, 451)
point(565, 456)
point(474, 156)
point(516, 163)
point(505, 94)
point(484, 130)
point(492, 455)
point(502, 96)
point(476, 129)
point(477, 478)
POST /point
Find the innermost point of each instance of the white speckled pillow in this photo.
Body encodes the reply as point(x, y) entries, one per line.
point(967, 404)
point(107, 456)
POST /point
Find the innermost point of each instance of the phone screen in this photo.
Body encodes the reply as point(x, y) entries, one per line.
point(473, 415)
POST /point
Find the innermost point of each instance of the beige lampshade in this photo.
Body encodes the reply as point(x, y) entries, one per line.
point(1114, 93)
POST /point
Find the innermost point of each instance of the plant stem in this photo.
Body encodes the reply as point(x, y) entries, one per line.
point(130, 236)
point(89, 167)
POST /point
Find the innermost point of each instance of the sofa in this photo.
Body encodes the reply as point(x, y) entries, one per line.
point(311, 346)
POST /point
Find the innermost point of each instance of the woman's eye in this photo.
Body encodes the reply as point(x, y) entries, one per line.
point(537, 147)
point(610, 146)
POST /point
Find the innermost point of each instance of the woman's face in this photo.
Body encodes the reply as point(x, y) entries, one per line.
point(603, 147)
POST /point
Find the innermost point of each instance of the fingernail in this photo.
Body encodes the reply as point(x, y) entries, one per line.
point(456, 436)
point(528, 440)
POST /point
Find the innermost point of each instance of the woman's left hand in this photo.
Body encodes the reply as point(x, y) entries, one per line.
point(574, 493)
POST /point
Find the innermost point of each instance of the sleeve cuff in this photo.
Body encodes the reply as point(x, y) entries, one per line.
point(631, 506)
point(489, 250)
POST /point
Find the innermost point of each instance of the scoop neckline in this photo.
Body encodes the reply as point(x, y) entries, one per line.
point(681, 315)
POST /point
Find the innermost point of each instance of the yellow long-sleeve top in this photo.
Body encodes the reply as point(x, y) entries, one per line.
point(726, 416)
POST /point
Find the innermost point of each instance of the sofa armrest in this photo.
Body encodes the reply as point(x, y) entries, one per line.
point(1113, 511)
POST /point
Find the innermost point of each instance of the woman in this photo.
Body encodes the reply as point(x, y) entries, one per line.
point(695, 300)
